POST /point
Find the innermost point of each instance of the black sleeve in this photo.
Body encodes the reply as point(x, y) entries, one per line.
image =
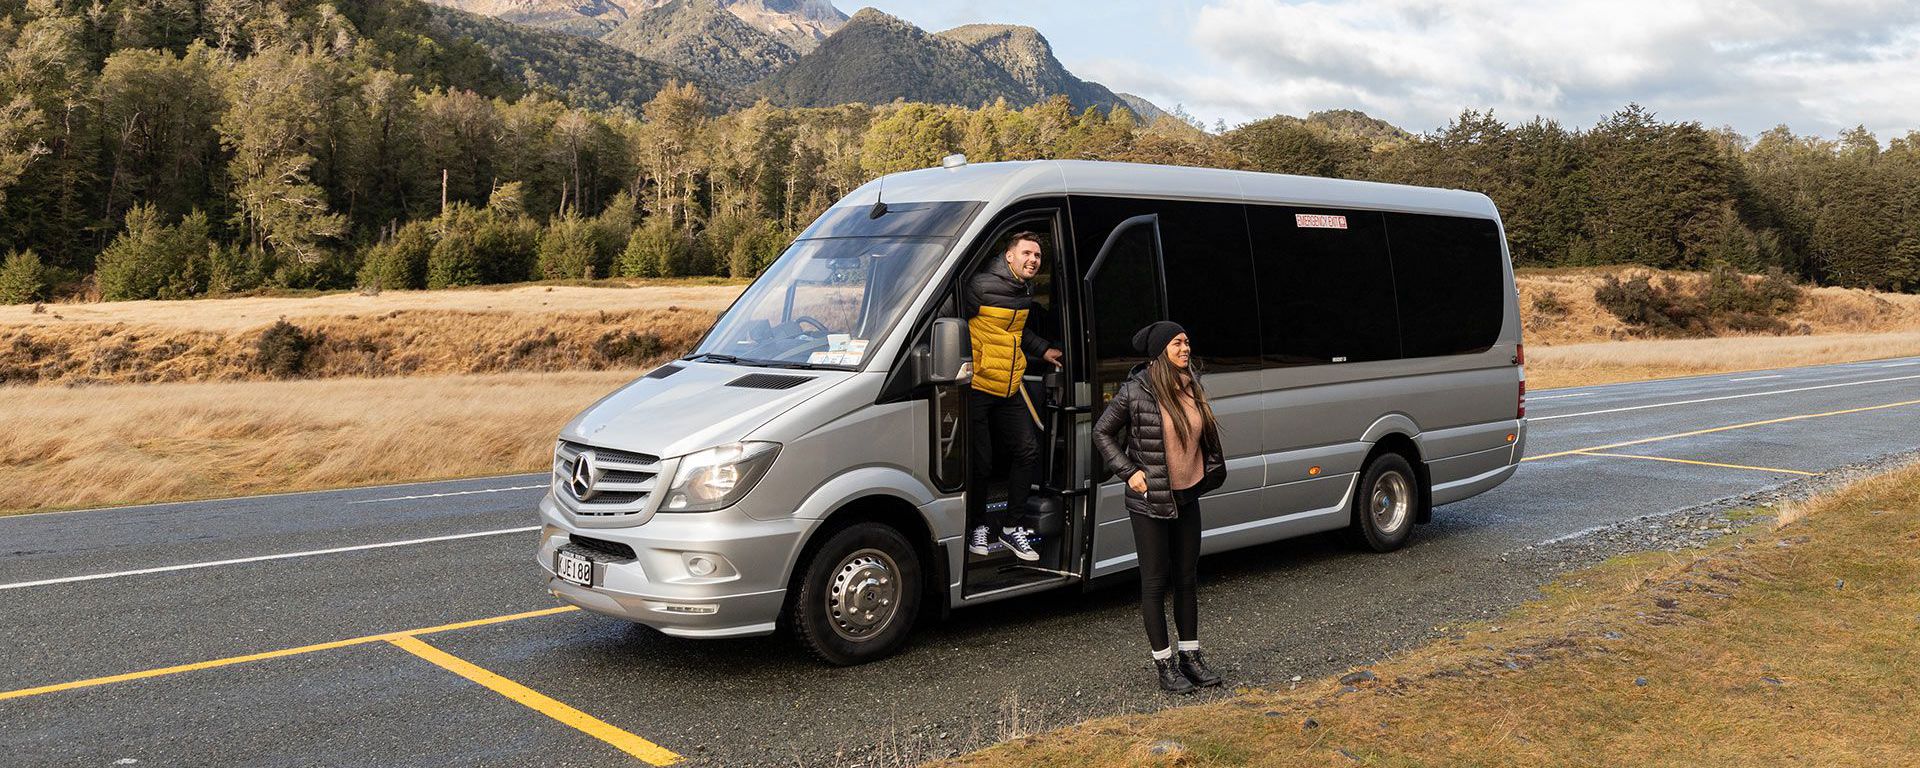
point(1106, 433)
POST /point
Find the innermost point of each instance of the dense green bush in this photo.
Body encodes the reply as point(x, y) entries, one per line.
point(569, 250)
point(478, 247)
point(742, 246)
point(153, 260)
point(657, 249)
point(22, 278)
point(400, 261)
point(1724, 299)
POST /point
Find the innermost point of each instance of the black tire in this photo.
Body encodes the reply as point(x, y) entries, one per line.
point(1385, 504)
point(866, 566)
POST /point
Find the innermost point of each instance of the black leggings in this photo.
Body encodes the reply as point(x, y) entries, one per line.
point(1169, 552)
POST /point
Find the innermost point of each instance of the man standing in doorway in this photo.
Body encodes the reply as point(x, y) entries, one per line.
point(1000, 414)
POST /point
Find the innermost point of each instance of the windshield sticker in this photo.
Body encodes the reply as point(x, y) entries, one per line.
point(818, 358)
point(837, 342)
point(857, 347)
point(1319, 221)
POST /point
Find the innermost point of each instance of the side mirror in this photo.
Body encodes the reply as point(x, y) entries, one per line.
point(950, 359)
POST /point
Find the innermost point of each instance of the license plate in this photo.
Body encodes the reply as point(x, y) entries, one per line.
point(573, 567)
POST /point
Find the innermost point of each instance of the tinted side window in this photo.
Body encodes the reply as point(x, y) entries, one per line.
point(1452, 283)
point(1210, 286)
point(1326, 285)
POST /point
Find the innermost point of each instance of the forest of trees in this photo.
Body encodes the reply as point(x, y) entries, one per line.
point(175, 148)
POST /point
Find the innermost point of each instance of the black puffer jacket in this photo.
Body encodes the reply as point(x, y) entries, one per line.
point(1134, 410)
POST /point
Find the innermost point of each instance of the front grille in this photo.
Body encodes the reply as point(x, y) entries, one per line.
point(625, 479)
point(602, 546)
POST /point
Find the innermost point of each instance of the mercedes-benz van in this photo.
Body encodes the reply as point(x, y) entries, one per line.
point(806, 466)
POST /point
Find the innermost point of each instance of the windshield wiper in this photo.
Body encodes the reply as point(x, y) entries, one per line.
point(720, 357)
point(713, 357)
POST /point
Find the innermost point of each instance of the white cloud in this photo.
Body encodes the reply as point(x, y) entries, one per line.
point(1818, 66)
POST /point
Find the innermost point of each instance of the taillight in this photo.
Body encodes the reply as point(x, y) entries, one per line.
point(1519, 354)
point(1520, 409)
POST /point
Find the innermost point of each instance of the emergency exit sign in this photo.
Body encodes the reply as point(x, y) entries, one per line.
point(1319, 221)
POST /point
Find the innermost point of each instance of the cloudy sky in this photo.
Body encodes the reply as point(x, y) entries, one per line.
point(1817, 66)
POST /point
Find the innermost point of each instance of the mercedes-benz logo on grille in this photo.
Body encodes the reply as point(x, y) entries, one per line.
point(585, 476)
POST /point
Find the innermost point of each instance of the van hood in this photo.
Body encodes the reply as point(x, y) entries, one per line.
point(696, 407)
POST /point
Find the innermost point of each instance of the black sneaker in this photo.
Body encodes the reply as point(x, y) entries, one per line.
point(1171, 680)
point(1016, 540)
point(1195, 668)
point(977, 541)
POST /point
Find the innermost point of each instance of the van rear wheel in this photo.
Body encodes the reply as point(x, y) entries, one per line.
point(1384, 504)
point(858, 596)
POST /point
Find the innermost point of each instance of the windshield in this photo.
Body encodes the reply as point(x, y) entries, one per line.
point(824, 301)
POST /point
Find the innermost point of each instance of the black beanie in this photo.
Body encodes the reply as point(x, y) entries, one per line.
point(1153, 339)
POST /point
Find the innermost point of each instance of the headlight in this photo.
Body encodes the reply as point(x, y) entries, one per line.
point(718, 476)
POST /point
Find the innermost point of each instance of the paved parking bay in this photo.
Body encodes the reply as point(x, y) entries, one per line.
point(406, 625)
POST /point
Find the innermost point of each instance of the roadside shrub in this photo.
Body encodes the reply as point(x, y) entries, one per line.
point(1548, 303)
point(282, 350)
point(1664, 308)
point(569, 250)
point(400, 261)
point(22, 278)
point(626, 347)
point(152, 260)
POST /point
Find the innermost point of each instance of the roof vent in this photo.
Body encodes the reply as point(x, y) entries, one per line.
point(769, 381)
point(953, 161)
point(663, 372)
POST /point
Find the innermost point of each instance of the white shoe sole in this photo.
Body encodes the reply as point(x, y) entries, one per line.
point(982, 551)
point(1029, 556)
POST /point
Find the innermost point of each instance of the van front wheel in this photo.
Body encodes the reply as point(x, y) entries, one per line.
point(1384, 503)
point(858, 596)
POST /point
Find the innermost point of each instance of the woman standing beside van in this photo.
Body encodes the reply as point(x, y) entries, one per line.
point(1170, 457)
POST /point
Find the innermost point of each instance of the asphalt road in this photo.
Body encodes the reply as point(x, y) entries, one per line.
point(570, 688)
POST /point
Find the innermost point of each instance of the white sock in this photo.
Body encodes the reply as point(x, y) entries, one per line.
point(1163, 654)
point(1189, 645)
point(1008, 531)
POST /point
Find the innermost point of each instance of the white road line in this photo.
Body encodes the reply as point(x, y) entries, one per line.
point(451, 493)
point(1757, 378)
point(283, 556)
point(1556, 397)
point(1532, 419)
point(1901, 365)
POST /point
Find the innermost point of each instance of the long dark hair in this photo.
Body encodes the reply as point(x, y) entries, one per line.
point(1170, 383)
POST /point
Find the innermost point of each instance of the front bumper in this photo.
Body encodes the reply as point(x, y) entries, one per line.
point(655, 587)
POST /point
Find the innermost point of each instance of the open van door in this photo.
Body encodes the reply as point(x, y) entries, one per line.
point(1125, 289)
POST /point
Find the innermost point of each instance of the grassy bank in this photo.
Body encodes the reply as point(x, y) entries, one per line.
point(1792, 643)
point(94, 446)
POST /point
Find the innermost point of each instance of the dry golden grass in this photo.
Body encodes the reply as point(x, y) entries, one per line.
point(79, 447)
point(1579, 365)
point(1581, 320)
point(400, 342)
point(1787, 647)
point(241, 314)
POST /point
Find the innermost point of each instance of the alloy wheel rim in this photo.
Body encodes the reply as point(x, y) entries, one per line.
point(1392, 500)
point(864, 595)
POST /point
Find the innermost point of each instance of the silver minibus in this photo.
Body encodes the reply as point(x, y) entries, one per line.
point(805, 467)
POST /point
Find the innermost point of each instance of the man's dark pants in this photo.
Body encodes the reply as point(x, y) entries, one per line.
point(1003, 424)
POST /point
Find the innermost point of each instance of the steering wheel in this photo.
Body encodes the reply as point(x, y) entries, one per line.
point(808, 320)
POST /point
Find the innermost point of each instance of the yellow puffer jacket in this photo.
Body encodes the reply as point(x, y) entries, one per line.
point(998, 362)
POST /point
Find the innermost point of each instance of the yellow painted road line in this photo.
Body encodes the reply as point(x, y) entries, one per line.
point(264, 655)
point(1711, 430)
point(539, 702)
point(1701, 463)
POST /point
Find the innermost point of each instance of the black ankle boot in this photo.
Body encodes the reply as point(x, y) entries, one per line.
point(1195, 669)
point(1171, 679)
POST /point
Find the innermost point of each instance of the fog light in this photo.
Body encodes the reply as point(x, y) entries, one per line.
point(700, 566)
point(1313, 470)
point(693, 609)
